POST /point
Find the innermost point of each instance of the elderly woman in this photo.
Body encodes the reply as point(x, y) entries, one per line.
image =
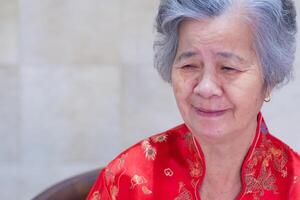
point(222, 58)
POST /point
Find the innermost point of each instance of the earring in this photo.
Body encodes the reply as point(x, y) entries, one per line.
point(268, 99)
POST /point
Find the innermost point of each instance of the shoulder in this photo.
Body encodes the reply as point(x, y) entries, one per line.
point(137, 161)
point(146, 149)
point(137, 171)
point(285, 158)
point(276, 143)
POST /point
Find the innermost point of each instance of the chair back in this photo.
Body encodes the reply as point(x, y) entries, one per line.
point(74, 188)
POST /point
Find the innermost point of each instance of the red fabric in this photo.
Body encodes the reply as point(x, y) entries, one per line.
point(171, 166)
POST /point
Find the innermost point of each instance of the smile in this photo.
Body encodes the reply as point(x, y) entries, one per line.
point(209, 113)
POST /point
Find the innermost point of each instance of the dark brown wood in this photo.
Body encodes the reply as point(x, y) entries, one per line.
point(74, 188)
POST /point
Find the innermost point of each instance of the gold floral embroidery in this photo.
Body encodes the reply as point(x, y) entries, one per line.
point(114, 190)
point(146, 190)
point(140, 180)
point(195, 165)
point(109, 176)
point(150, 152)
point(194, 183)
point(96, 196)
point(112, 178)
point(259, 176)
point(181, 185)
point(121, 161)
point(196, 168)
point(137, 180)
point(265, 181)
point(296, 179)
point(188, 138)
point(184, 194)
point(160, 138)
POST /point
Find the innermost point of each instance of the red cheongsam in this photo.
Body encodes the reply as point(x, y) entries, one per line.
point(171, 166)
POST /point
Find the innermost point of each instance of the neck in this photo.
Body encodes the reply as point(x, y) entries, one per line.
point(230, 149)
point(224, 158)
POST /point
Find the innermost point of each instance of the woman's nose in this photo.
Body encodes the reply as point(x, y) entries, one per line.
point(208, 86)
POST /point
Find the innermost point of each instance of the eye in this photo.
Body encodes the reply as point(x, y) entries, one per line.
point(188, 67)
point(226, 68)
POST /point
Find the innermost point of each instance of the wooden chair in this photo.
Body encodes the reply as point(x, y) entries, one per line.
point(74, 188)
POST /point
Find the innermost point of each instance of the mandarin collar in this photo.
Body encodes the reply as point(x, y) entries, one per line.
point(256, 173)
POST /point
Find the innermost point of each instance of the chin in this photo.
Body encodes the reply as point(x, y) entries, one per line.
point(211, 133)
point(209, 128)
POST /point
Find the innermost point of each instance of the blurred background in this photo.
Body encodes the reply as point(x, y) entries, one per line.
point(77, 86)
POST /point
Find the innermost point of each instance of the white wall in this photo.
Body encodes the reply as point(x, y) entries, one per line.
point(77, 86)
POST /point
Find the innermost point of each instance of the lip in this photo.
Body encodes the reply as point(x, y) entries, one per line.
point(210, 113)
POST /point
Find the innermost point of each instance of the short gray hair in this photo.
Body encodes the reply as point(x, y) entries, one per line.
point(273, 24)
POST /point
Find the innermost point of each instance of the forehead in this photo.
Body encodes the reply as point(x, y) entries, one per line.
point(225, 33)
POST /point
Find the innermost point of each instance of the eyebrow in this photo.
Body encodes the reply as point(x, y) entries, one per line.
point(229, 55)
point(185, 55)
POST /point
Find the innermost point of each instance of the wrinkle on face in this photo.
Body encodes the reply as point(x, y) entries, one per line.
point(205, 50)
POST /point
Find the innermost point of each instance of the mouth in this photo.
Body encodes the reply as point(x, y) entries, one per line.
point(210, 112)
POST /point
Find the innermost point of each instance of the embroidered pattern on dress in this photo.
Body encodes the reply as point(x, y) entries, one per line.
point(137, 180)
point(111, 177)
point(160, 138)
point(194, 183)
point(195, 165)
point(168, 172)
point(140, 180)
point(259, 175)
point(146, 190)
point(188, 138)
point(184, 194)
point(150, 151)
point(96, 196)
point(121, 161)
point(114, 190)
point(196, 168)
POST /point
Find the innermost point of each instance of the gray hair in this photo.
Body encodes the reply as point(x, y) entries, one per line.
point(273, 24)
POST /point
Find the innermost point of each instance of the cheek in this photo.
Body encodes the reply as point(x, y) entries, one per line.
point(182, 89)
point(178, 84)
point(247, 95)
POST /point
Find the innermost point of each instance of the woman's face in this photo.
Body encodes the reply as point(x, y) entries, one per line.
point(216, 77)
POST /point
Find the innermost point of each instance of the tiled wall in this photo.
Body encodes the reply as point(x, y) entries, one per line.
point(77, 86)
